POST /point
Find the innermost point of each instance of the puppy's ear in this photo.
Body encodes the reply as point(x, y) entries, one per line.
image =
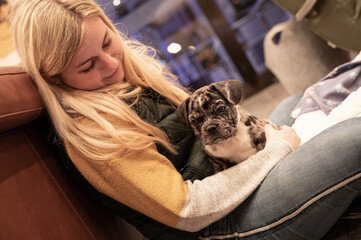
point(232, 90)
point(183, 112)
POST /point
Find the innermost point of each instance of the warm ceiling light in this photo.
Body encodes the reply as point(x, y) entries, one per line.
point(174, 48)
point(117, 2)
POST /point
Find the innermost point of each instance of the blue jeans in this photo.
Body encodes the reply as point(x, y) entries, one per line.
point(306, 193)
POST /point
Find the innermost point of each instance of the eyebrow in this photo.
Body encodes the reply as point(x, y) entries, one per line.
point(105, 37)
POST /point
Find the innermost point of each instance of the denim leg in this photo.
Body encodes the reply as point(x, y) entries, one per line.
point(281, 114)
point(305, 194)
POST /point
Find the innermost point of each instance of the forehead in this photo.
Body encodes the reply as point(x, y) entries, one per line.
point(203, 98)
point(93, 36)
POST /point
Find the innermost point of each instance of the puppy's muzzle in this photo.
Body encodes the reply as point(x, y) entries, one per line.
point(212, 128)
point(216, 132)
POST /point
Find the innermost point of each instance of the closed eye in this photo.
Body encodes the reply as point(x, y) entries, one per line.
point(89, 68)
point(107, 44)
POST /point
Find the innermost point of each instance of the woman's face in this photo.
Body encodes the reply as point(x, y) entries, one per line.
point(99, 60)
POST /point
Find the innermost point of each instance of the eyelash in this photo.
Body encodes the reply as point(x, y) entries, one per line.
point(105, 46)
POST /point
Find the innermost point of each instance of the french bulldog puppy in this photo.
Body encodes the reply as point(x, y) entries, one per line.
point(228, 132)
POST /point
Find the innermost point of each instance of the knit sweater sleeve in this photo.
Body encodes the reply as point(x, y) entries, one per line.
point(148, 182)
point(216, 196)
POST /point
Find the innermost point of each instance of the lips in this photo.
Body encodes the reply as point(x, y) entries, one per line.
point(113, 74)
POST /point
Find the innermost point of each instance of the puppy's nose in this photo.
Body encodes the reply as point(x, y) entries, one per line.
point(212, 128)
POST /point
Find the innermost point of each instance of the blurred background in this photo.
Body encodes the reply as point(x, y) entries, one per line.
point(203, 41)
point(206, 41)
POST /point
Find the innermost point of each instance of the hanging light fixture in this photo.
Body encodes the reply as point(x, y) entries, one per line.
point(174, 48)
point(116, 2)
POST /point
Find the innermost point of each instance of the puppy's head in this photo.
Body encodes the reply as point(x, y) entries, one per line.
point(210, 111)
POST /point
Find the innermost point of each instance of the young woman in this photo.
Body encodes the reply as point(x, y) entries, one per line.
point(113, 107)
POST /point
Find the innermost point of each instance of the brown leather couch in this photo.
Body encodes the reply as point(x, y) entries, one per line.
point(38, 200)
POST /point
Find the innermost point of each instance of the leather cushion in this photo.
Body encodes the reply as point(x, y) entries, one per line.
point(20, 102)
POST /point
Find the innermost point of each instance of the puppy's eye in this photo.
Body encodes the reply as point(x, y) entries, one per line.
point(197, 120)
point(221, 109)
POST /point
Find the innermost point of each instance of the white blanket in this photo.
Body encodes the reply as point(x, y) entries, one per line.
point(309, 124)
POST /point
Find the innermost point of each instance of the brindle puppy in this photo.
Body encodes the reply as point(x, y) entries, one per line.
point(228, 132)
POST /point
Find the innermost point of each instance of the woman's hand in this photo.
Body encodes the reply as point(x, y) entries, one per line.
point(286, 133)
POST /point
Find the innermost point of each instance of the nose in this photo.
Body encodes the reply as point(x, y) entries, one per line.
point(211, 128)
point(109, 62)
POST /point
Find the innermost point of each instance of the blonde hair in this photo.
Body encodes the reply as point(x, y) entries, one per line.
point(47, 34)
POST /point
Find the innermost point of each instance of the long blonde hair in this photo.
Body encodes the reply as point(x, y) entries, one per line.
point(47, 34)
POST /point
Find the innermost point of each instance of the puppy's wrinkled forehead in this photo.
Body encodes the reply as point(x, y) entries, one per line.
point(203, 98)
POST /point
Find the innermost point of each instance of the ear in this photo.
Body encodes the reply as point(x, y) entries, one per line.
point(183, 112)
point(232, 90)
point(56, 79)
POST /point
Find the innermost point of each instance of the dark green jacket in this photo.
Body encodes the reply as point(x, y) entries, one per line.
point(190, 161)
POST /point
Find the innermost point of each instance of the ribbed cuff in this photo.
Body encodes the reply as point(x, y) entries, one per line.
point(277, 148)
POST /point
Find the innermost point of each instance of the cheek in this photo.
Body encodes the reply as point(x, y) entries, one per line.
point(76, 82)
point(83, 81)
point(233, 115)
point(120, 54)
point(117, 49)
point(122, 71)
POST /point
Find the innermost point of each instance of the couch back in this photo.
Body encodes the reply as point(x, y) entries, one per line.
point(38, 199)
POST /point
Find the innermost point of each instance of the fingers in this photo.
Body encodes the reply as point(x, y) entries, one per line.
point(286, 134)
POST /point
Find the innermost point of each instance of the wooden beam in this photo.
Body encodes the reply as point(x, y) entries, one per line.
point(229, 40)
